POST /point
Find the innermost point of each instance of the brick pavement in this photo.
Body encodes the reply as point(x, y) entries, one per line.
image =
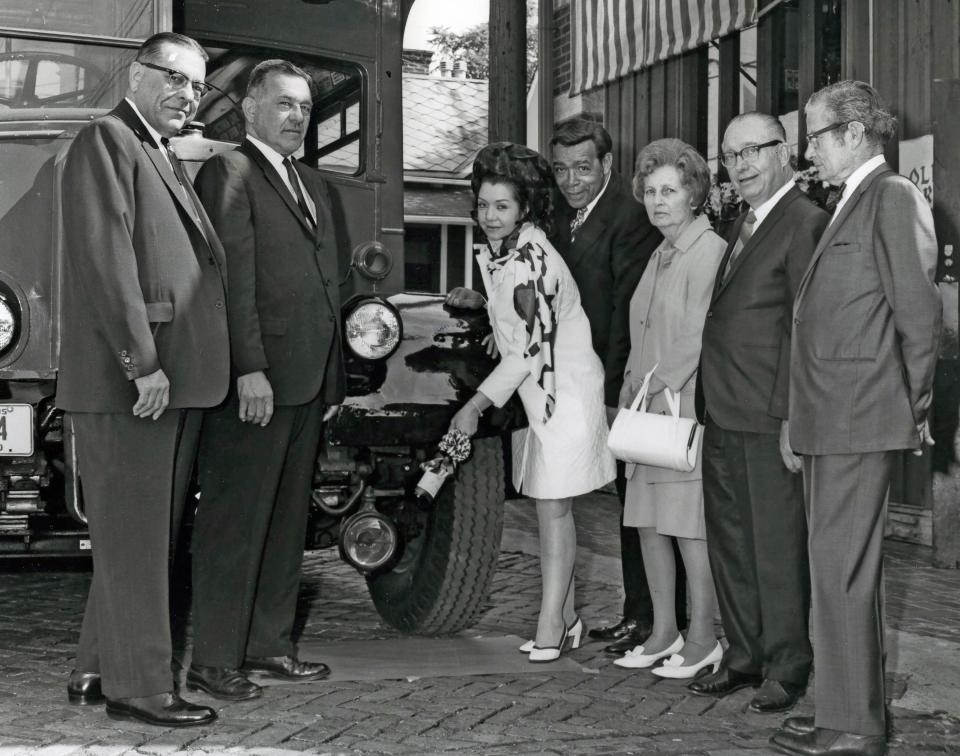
point(600, 709)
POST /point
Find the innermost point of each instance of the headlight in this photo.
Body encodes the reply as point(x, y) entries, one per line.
point(368, 540)
point(372, 330)
point(8, 325)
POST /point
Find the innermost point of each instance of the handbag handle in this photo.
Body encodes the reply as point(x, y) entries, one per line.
point(639, 402)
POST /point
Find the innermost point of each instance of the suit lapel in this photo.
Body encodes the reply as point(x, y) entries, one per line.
point(766, 228)
point(273, 178)
point(598, 220)
point(125, 113)
point(835, 226)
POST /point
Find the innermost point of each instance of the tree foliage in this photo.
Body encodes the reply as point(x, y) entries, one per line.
point(472, 47)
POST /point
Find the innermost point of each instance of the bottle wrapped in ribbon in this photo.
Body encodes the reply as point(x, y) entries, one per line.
point(454, 448)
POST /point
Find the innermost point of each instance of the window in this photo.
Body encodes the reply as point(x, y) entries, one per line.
point(111, 18)
point(333, 141)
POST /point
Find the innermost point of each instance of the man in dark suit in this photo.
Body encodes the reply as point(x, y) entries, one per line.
point(259, 449)
point(144, 328)
point(866, 327)
point(604, 236)
point(753, 493)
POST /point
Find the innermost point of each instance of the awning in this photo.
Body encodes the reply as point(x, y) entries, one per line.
point(613, 38)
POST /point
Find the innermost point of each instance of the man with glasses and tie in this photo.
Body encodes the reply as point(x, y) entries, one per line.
point(753, 493)
point(258, 450)
point(866, 326)
point(144, 346)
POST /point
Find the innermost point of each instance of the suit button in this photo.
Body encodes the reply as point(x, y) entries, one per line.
point(219, 305)
point(710, 313)
point(331, 319)
point(211, 261)
point(796, 321)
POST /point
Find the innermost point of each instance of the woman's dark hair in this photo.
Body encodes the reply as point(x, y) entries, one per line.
point(524, 170)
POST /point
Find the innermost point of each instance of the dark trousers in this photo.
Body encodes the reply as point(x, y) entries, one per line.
point(757, 543)
point(249, 532)
point(135, 474)
point(846, 508)
point(637, 604)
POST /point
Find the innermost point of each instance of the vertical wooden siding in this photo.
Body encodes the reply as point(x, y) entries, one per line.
point(668, 99)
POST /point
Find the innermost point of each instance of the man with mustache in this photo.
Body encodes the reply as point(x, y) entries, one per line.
point(144, 345)
point(258, 450)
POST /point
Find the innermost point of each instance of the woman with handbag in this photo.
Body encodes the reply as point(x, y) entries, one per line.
point(667, 312)
point(546, 356)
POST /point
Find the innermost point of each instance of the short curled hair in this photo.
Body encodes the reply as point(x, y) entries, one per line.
point(851, 100)
point(273, 66)
point(526, 171)
point(693, 169)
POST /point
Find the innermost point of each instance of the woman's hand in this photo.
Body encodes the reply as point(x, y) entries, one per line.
point(491, 345)
point(467, 419)
point(468, 299)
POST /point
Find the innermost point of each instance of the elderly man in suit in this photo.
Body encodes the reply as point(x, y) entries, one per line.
point(605, 238)
point(258, 450)
point(144, 344)
point(866, 327)
point(753, 492)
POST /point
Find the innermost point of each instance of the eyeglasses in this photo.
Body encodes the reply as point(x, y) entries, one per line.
point(813, 138)
point(747, 154)
point(177, 80)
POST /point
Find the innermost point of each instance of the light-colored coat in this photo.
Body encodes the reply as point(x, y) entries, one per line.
point(667, 312)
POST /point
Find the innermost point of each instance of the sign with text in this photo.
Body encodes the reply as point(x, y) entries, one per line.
point(916, 163)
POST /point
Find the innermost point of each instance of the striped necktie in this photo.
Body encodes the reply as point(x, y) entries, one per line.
point(298, 192)
point(578, 220)
point(746, 231)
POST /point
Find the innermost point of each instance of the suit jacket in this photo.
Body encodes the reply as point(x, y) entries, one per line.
point(142, 275)
point(745, 360)
point(867, 324)
point(284, 303)
point(606, 259)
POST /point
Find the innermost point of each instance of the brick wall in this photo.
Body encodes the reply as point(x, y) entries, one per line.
point(417, 61)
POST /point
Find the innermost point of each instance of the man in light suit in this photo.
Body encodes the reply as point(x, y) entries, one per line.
point(144, 344)
point(753, 492)
point(258, 450)
point(866, 326)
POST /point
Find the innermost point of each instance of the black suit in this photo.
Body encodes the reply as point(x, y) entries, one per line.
point(255, 481)
point(607, 257)
point(753, 505)
point(142, 291)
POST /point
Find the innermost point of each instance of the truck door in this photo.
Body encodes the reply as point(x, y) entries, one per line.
point(351, 48)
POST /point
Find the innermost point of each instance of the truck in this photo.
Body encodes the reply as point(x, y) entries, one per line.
point(411, 360)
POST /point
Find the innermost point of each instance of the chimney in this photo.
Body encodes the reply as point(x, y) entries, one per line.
point(417, 61)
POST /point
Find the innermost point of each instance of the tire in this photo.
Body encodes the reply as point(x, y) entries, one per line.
point(443, 578)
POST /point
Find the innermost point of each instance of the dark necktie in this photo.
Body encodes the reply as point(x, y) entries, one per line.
point(181, 177)
point(835, 197)
point(295, 183)
point(746, 231)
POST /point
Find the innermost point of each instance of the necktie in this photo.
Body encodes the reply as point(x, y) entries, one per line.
point(578, 220)
point(181, 176)
point(295, 183)
point(835, 197)
point(746, 231)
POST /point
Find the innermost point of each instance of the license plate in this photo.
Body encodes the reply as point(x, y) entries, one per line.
point(16, 430)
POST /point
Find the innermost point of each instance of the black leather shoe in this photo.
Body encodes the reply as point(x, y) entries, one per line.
point(628, 642)
point(616, 632)
point(83, 689)
point(822, 742)
point(799, 725)
point(723, 682)
point(287, 667)
point(162, 709)
point(774, 696)
point(222, 682)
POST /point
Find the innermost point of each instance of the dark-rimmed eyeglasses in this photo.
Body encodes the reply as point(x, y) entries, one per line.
point(748, 154)
point(813, 138)
point(177, 80)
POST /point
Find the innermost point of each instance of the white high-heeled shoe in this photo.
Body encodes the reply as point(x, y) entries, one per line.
point(552, 653)
point(576, 632)
point(675, 669)
point(637, 659)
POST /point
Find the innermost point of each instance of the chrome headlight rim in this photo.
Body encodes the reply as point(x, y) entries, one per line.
point(373, 260)
point(368, 520)
point(353, 308)
point(8, 325)
point(13, 302)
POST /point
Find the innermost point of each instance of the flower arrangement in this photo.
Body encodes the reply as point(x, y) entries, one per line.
point(453, 449)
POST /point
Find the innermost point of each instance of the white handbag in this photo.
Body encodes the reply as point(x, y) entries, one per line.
point(648, 438)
